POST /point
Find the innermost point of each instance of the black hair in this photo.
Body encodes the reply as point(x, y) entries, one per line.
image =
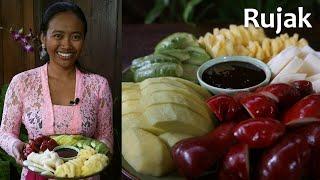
point(57, 8)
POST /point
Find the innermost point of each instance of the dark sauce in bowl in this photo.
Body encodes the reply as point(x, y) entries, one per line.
point(66, 152)
point(233, 75)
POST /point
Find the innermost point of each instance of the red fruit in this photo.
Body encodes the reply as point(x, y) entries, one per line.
point(258, 105)
point(33, 145)
point(286, 160)
point(240, 95)
point(312, 135)
point(44, 146)
point(224, 107)
point(304, 87)
point(52, 144)
point(259, 132)
point(304, 111)
point(40, 139)
point(26, 151)
point(194, 156)
point(311, 132)
point(284, 94)
point(236, 162)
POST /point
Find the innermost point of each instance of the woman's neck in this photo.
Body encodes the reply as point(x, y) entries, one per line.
point(56, 71)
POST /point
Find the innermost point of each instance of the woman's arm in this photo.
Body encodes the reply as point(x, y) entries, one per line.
point(11, 117)
point(104, 131)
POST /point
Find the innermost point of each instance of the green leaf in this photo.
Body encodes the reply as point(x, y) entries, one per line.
point(209, 7)
point(188, 11)
point(5, 169)
point(156, 11)
point(23, 134)
point(2, 96)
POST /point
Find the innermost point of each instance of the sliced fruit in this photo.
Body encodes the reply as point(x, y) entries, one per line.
point(284, 94)
point(147, 89)
point(132, 106)
point(304, 111)
point(292, 67)
point(190, 72)
point(200, 90)
point(146, 153)
point(278, 62)
point(312, 134)
point(311, 65)
point(130, 95)
point(316, 86)
point(259, 105)
point(259, 132)
point(193, 156)
point(172, 138)
point(177, 118)
point(286, 160)
point(129, 85)
point(313, 77)
point(288, 78)
point(224, 107)
point(304, 87)
point(164, 97)
point(236, 162)
point(137, 120)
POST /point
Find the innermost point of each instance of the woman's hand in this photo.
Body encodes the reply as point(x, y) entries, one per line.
point(17, 152)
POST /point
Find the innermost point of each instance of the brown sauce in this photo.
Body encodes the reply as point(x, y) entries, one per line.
point(233, 75)
point(66, 152)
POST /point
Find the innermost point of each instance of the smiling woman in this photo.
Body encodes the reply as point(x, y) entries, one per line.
point(58, 97)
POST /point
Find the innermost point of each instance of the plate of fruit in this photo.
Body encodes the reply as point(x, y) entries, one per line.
point(66, 156)
point(271, 132)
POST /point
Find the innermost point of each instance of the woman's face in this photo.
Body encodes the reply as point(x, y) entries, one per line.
point(64, 39)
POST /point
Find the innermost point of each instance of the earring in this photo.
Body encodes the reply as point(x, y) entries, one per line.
point(43, 52)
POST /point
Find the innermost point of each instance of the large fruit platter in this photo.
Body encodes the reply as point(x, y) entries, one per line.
point(66, 156)
point(173, 128)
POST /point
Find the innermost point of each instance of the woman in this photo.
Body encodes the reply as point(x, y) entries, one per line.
point(58, 97)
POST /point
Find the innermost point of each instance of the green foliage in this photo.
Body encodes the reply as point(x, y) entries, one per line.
point(160, 5)
point(2, 95)
point(223, 11)
point(5, 169)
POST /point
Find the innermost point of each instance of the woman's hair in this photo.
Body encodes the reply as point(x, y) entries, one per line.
point(57, 8)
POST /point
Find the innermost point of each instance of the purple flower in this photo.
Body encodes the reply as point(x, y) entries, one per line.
point(28, 48)
point(24, 40)
point(15, 35)
point(29, 36)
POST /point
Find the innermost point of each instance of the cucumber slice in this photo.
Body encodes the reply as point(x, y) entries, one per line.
point(180, 54)
point(178, 40)
point(150, 59)
point(158, 70)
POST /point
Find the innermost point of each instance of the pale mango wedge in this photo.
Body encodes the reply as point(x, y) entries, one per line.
point(150, 90)
point(132, 94)
point(172, 138)
point(177, 118)
point(129, 85)
point(163, 97)
point(146, 153)
point(131, 107)
point(200, 90)
point(149, 86)
point(137, 120)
